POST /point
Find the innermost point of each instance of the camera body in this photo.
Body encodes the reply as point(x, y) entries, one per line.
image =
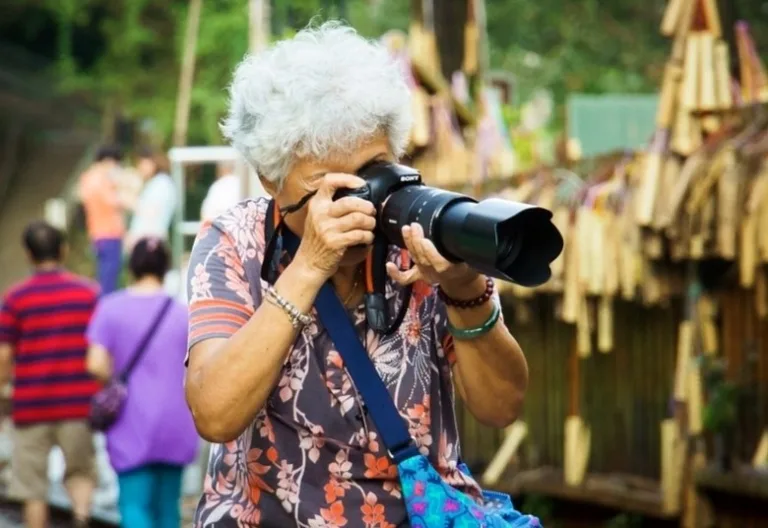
point(381, 180)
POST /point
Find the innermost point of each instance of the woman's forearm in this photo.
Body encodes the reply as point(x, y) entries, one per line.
point(229, 381)
point(492, 370)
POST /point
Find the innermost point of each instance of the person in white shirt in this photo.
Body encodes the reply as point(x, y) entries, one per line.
point(157, 202)
point(224, 193)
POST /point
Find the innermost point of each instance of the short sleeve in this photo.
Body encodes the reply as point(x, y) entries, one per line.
point(100, 330)
point(9, 323)
point(219, 294)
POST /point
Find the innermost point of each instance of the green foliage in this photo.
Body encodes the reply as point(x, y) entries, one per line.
point(586, 46)
point(721, 411)
point(137, 69)
point(541, 507)
point(625, 520)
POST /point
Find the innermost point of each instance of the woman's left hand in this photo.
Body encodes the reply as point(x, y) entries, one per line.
point(429, 265)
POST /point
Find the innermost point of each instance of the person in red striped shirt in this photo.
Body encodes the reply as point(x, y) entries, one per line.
point(43, 321)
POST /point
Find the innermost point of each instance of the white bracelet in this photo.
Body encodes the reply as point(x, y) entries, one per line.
point(297, 318)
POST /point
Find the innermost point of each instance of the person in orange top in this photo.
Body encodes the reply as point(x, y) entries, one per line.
point(105, 215)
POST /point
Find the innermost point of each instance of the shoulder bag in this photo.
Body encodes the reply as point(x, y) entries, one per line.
point(108, 403)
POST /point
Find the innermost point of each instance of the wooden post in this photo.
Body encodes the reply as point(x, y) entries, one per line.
point(259, 31)
point(187, 74)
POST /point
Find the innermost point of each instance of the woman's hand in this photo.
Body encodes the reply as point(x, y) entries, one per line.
point(432, 267)
point(332, 227)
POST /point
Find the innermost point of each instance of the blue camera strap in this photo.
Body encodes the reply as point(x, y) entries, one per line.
point(378, 401)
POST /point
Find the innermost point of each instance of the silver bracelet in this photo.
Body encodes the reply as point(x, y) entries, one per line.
point(297, 318)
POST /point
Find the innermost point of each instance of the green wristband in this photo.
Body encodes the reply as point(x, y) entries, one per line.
point(465, 334)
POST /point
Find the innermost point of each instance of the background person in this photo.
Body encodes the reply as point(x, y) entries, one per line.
point(154, 438)
point(157, 201)
point(223, 193)
point(43, 347)
point(105, 214)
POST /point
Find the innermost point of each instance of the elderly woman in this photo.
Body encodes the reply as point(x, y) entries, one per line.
point(295, 446)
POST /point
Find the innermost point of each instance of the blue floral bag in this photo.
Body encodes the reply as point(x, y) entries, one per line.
point(429, 500)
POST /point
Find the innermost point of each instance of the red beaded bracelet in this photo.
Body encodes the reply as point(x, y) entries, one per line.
point(472, 303)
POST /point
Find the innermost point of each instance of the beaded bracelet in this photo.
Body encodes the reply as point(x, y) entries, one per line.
point(490, 287)
point(466, 334)
point(297, 318)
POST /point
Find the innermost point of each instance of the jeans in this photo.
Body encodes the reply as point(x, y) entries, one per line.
point(109, 262)
point(149, 496)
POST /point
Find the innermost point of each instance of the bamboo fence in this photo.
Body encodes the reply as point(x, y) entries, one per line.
point(665, 267)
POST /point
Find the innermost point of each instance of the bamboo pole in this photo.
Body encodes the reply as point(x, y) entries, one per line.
point(187, 74)
point(259, 31)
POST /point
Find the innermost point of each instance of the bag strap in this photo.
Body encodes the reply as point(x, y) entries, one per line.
point(143, 345)
point(378, 402)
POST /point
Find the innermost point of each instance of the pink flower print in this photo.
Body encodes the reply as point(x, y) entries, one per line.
point(311, 443)
point(373, 443)
point(419, 422)
point(418, 507)
point(338, 383)
point(319, 522)
point(366, 440)
point(334, 358)
point(250, 516)
point(450, 505)
point(413, 331)
point(240, 287)
point(288, 385)
point(288, 493)
point(418, 489)
point(444, 453)
point(201, 283)
point(341, 467)
point(287, 488)
point(264, 425)
point(393, 488)
point(285, 471)
point(241, 223)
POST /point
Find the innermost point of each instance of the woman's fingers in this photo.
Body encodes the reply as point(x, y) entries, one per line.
point(429, 252)
point(334, 181)
point(404, 278)
point(356, 237)
point(413, 236)
point(353, 221)
point(350, 204)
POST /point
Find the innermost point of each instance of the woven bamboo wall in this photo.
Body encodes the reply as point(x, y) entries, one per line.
point(623, 394)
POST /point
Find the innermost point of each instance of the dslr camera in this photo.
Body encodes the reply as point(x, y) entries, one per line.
point(503, 239)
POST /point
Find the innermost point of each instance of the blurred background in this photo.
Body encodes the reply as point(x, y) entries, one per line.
point(642, 125)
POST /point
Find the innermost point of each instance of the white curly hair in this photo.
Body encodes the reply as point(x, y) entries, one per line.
point(318, 95)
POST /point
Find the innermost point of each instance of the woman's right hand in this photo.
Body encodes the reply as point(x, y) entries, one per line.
point(332, 227)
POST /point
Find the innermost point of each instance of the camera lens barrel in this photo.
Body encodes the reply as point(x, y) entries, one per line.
point(424, 206)
point(503, 239)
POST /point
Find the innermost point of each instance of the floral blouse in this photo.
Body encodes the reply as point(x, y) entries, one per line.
point(312, 458)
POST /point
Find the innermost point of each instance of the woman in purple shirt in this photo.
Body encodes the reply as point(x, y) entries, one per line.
point(154, 437)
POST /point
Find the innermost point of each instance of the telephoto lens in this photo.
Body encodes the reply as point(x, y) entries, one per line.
point(500, 238)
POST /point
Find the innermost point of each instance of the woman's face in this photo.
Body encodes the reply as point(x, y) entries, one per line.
point(146, 168)
point(306, 176)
